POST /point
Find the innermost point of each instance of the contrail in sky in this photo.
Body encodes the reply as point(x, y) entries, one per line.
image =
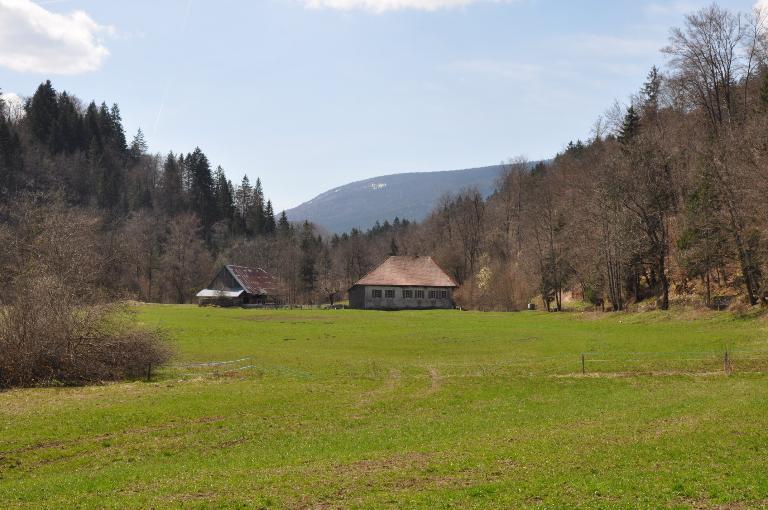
point(170, 78)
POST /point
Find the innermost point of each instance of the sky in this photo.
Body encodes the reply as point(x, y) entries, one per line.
point(312, 94)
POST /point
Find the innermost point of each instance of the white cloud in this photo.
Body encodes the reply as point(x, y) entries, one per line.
point(34, 39)
point(380, 6)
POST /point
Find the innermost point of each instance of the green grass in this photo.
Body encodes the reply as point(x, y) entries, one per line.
point(438, 409)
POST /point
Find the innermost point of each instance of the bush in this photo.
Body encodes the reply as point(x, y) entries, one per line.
point(48, 337)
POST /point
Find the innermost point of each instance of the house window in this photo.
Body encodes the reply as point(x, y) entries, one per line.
point(443, 294)
point(376, 293)
point(407, 294)
point(432, 294)
point(419, 294)
point(389, 294)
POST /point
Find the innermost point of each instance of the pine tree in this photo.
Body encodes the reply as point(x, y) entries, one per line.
point(201, 193)
point(116, 128)
point(631, 126)
point(171, 186)
point(269, 219)
point(67, 133)
point(139, 145)
point(255, 219)
point(93, 141)
point(651, 89)
point(243, 202)
point(283, 225)
point(309, 249)
point(42, 111)
point(11, 162)
point(224, 199)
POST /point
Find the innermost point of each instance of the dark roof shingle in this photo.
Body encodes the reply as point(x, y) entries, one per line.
point(408, 271)
point(255, 280)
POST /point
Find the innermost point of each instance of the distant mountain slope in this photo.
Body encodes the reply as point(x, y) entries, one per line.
point(407, 196)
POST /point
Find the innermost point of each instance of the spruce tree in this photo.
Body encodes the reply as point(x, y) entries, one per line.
point(269, 219)
point(631, 126)
point(67, 133)
point(11, 162)
point(116, 128)
point(243, 202)
point(42, 111)
point(651, 89)
point(139, 145)
point(283, 225)
point(201, 193)
point(224, 199)
point(309, 252)
point(93, 141)
point(171, 186)
point(255, 221)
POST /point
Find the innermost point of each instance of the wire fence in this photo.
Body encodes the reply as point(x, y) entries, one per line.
point(591, 363)
point(726, 361)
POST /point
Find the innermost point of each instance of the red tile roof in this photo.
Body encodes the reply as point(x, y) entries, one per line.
point(408, 271)
point(255, 280)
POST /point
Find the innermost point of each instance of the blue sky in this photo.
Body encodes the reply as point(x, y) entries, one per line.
point(311, 94)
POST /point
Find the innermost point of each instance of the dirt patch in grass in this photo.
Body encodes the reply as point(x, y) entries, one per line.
point(435, 381)
point(138, 431)
point(23, 401)
point(406, 472)
point(390, 384)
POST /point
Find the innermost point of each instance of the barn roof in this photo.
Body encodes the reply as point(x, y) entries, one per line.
point(408, 271)
point(254, 280)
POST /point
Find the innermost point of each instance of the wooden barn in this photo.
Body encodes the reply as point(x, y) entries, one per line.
point(404, 283)
point(240, 285)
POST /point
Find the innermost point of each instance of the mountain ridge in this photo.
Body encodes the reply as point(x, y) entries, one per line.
point(409, 195)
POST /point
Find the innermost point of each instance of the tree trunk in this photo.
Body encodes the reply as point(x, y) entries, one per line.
point(664, 283)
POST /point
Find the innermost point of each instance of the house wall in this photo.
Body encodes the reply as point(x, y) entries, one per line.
point(224, 281)
point(357, 297)
point(220, 301)
point(362, 297)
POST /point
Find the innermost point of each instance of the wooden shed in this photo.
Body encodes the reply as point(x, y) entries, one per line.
point(240, 285)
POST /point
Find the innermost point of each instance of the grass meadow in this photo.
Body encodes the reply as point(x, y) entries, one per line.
point(436, 409)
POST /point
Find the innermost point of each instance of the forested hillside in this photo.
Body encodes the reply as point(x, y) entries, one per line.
point(665, 200)
point(410, 195)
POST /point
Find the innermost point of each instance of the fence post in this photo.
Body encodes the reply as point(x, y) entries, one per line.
point(149, 372)
point(727, 362)
point(583, 365)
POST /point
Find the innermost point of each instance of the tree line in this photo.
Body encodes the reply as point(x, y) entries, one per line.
point(663, 202)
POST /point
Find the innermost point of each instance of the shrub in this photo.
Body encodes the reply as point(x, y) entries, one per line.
point(48, 337)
